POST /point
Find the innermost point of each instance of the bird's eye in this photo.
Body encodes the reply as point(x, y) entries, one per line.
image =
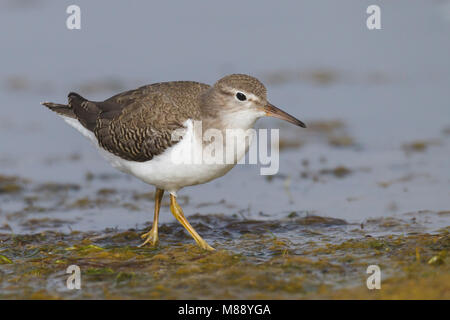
point(240, 96)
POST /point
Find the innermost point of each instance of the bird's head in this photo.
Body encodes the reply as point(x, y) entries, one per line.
point(244, 98)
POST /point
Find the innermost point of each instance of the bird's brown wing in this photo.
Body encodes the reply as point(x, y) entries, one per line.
point(137, 125)
point(140, 129)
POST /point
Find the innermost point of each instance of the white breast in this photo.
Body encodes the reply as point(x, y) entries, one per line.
point(162, 171)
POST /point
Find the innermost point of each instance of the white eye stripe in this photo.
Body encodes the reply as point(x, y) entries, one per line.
point(249, 97)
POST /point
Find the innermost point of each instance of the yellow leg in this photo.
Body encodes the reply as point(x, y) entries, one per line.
point(152, 235)
point(179, 215)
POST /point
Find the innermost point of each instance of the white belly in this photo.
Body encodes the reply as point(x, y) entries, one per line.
point(162, 171)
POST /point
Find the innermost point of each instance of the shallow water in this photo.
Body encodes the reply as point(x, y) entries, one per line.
point(376, 104)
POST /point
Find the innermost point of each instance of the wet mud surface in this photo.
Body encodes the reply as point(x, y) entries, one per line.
point(308, 257)
point(298, 255)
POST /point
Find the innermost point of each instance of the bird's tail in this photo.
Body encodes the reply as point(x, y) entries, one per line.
point(62, 109)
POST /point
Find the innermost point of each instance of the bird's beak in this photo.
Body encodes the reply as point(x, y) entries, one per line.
point(272, 111)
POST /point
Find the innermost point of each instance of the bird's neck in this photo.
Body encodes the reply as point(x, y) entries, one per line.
point(227, 125)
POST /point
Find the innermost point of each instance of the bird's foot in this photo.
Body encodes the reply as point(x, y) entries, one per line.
point(204, 245)
point(150, 237)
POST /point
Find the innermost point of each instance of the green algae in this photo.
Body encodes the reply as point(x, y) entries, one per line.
point(258, 261)
point(300, 255)
point(5, 260)
point(11, 184)
point(419, 146)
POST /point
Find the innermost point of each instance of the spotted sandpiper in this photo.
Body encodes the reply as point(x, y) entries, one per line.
point(134, 130)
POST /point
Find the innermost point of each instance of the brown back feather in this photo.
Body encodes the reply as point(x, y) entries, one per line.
point(137, 125)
